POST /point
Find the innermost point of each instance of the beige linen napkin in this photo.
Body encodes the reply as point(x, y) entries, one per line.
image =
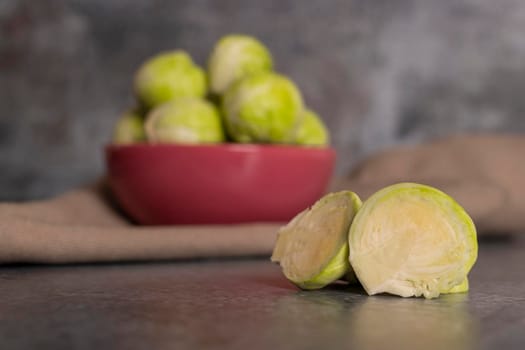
point(485, 173)
point(82, 226)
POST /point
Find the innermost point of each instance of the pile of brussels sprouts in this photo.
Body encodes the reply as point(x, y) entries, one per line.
point(240, 98)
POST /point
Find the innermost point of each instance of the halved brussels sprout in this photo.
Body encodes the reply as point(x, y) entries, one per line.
point(312, 248)
point(411, 240)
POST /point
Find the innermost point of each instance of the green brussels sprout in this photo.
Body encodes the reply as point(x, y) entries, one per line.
point(312, 248)
point(312, 131)
point(129, 128)
point(169, 76)
point(188, 120)
point(234, 57)
point(411, 240)
point(264, 108)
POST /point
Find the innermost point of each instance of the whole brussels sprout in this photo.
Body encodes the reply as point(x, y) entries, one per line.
point(236, 56)
point(312, 131)
point(169, 76)
point(188, 120)
point(129, 128)
point(264, 107)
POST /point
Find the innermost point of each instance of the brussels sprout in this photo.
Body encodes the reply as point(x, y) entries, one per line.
point(236, 56)
point(459, 288)
point(169, 76)
point(129, 128)
point(312, 248)
point(188, 120)
point(411, 240)
point(312, 131)
point(264, 107)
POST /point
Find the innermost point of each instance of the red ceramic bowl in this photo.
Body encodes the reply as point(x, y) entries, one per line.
point(228, 183)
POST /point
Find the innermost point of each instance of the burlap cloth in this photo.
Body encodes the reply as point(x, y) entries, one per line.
point(485, 173)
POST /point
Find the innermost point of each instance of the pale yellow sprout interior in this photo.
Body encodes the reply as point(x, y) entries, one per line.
point(336, 268)
point(312, 249)
point(412, 240)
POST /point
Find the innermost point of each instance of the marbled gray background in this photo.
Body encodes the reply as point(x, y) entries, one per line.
point(380, 72)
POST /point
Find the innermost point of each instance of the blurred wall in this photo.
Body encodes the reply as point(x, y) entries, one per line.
point(380, 72)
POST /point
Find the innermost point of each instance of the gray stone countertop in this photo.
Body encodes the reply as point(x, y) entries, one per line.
point(247, 304)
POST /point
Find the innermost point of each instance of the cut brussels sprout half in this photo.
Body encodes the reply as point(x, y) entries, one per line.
point(234, 57)
point(312, 248)
point(460, 288)
point(186, 121)
point(412, 240)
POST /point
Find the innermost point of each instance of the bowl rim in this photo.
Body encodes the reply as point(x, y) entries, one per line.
point(231, 146)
